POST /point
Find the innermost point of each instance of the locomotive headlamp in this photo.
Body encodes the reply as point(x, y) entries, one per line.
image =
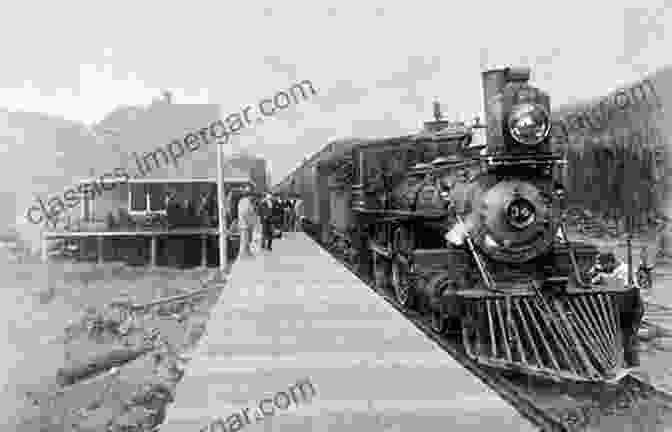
point(520, 213)
point(529, 124)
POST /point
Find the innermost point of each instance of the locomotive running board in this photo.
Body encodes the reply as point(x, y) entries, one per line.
point(559, 338)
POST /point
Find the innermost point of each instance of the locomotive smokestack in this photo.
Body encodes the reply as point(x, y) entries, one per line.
point(494, 81)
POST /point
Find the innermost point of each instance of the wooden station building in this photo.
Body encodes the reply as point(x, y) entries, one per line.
point(129, 222)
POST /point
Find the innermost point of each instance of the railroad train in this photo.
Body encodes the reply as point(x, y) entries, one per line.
point(473, 236)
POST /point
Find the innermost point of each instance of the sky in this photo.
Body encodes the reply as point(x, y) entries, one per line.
point(377, 66)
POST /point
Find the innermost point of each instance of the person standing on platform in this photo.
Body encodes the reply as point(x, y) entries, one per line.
point(298, 215)
point(277, 213)
point(266, 213)
point(205, 209)
point(247, 220)
point(213, 208)
point(189, 213)
point(257, 231)
point(290, 214)
point(285, 214)
point(175, 245)
point(173, 210)
point(645, 273)
point(290, 217)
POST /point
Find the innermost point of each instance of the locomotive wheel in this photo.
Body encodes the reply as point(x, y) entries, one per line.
point(443, 318)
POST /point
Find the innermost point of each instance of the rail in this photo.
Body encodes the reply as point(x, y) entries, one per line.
point(536, 401)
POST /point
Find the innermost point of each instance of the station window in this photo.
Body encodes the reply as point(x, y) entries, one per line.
point(138, 197)
point(147, 198)
point(156, 197)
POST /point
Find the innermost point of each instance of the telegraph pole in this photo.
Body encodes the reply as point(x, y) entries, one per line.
point(222, 211)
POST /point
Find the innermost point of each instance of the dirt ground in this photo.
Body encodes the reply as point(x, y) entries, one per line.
point(47, 330)
point(655, 342)
point(46, 315)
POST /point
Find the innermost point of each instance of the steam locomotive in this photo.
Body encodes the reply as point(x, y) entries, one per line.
point(473, 236)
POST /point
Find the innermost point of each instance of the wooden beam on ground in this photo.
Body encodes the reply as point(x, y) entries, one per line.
point(97, 364)
point(176, 298)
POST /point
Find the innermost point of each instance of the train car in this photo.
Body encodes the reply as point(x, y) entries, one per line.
point(308, 184)
point(256, 167)
point(476, 240)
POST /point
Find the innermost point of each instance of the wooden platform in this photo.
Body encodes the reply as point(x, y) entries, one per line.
point(296, 315)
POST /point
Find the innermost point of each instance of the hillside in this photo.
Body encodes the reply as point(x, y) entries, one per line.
point(618, 163)
point(46, 154)
point(42, 155)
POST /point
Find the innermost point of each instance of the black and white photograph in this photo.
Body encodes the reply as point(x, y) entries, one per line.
point(336, 216)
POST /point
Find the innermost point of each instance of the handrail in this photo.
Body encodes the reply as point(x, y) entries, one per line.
point(572, 258)
point(489, 283)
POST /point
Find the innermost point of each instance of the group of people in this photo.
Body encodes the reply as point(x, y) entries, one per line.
point(270, 214)
point(187, 214)
point(273, 214)
point(607, 266)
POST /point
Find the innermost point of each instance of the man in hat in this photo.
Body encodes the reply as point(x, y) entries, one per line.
point(266, 213)
point(298, 214)
point(645, 272)
point(277, 212)
point(247, 220)
point(606, 268)
point(205, 209)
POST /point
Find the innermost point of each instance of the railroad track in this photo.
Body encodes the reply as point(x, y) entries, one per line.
point(552, 406)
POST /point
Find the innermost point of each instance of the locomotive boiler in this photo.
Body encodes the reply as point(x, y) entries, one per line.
point(473, 237)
